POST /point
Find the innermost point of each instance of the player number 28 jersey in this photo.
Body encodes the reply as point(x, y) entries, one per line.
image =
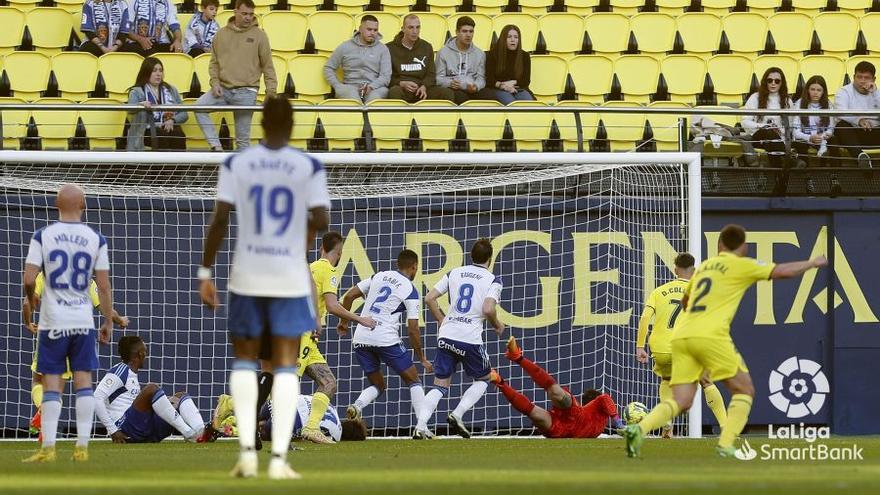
point(387, 295)
point(468, 286)
point(272, 191)
point(68, 253)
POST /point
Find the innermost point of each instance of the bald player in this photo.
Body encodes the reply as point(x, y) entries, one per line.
point(69, 253)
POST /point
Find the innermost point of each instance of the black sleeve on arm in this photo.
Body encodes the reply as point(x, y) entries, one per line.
point(491, 77)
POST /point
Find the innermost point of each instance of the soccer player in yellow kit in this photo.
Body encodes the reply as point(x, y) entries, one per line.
point(702, 339)
point(664, 308)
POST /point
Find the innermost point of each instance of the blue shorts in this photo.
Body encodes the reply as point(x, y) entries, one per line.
point(144, 427)
point(280, 316)
point(473, 358)
point(395, 356)
point(57, 346)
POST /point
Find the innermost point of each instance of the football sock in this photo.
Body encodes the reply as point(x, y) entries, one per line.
point(716, 404)
point(85, 415)
point(162, 407)
point(51, 410)
point(264, 382)
point(665, 412)
point(320, 403)
point(243, 388)
point(432, 398)
point(470, 397)
point(665, 394)
point(417, 397)
point(519, 401)
point(190, 414)
point(368, 395)
point(737, 417)
point(540, 377)
point(37, 394)
point(285, 392)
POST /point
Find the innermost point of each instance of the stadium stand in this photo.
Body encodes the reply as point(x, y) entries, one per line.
point(13, 22)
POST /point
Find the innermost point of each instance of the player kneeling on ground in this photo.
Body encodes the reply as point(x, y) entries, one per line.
point(144, 415)
point(567, 418)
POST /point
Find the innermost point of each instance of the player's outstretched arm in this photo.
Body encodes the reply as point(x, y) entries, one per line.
point(434, 306)
point(797, 268)
point(105, 295)
point(216, 233)
point(415, 340)
point(336, 309)
point(642, 336)
point(490, 311)
point(350, 296)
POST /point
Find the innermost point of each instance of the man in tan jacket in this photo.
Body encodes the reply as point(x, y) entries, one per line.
point(240, 54)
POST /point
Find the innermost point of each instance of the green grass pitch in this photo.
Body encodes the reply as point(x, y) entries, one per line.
point(449, 467)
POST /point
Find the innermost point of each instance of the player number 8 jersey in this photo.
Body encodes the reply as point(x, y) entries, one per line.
point(468, 287)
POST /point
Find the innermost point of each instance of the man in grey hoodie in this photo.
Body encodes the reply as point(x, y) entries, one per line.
point(857, 133)
point(461, 66)
point(366, 64)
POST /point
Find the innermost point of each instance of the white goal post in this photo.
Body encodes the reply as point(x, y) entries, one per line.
point(580, 239)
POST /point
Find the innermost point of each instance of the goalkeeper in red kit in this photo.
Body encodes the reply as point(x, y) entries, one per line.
point(567, 418)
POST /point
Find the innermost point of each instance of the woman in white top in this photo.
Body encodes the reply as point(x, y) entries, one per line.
point(812, 131)
point(766, 131)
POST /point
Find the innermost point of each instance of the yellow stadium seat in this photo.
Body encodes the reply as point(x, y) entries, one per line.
point(624, 129)
point(665, 126)
point(103, 127)
point(548, 77)
point(609, 33)
point(308, 77)
point(281, 71)
point(352, 7)
point(119, 71)
point(13, 21)
point(638, 75)
point(178, 70)
point(389, 23)
point(304, 5)
point(581, 7)
point(672, 7)
point(563, 32)
point(28, 73)
point(14, 123)
point(341, 128)
point(200, 70)
point(286, 30)
point(223, 17)
point(809, 6)
point(626, 7)
point(530, 129)
point(398, 7)
point(654, 32)
point(490, 7)
point(838, 32)
point(444, 7)
point(792, 32)
point(568, 129)
point(390, 129)
point(434, 29)
point(535, 7)
point(55, 127)
point(717, 7)
point(329, 29)
point(76, 73)
point(788, 65)
point(701, 33)
point(195, 139)
point(482, 29)
point(685, 76)
point(831, 68)
point(731, 77)
point(870, 25)
point(484, 129)
point(50, 29)
point(69, 5)
point(303, 123)
point(746, 32)
point(851, 66)
point(527, 24)
point(436, 129)
point(592, 76)
point(857, 7)
point(76, 21)
point(766, 8)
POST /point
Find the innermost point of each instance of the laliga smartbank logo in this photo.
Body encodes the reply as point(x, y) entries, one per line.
point(798, 387)
point(810, 450)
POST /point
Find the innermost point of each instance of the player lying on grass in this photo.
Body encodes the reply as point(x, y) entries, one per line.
point(27, 315)
point(133, 414)
point(330, 425)
point(566, 418)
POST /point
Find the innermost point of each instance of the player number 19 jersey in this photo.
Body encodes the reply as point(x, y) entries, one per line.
point(386, 296)
point(468, 287)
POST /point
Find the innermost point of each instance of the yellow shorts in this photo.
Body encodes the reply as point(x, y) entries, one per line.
point(694, 355)
point(67, 374)
point(662, 364)
point(309, 353)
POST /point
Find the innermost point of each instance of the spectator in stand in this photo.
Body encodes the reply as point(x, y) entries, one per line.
point(508, 69)
point(201, 29)
point(856, 133)
point(766, 131)
point(240, 54)
point(365, 62)
point(151, 22)
point(150, 89)
point(105, 26)
point(413, 76)
point(461, 66)
point(812, 131)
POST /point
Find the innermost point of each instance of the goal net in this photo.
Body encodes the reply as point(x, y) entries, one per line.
point(580, 240)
